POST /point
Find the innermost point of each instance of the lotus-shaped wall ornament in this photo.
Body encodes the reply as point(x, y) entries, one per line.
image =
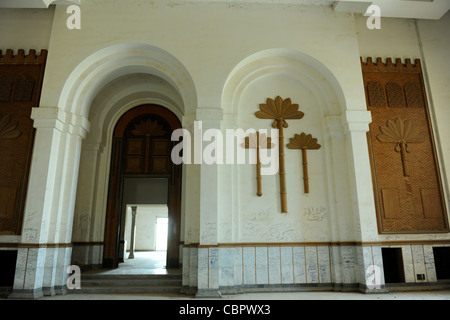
point(280, 110)
point(401, 133)
point(148, 128)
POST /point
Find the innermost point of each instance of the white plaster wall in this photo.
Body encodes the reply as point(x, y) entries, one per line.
point(25, 29)
point(145, 235)
point(227, 34)
point(210, 47)
point(435, 37)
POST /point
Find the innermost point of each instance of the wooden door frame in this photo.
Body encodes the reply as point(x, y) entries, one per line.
point(114, 201)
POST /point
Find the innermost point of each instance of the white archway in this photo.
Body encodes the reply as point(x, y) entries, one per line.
point(115, 61)
point(102, 88)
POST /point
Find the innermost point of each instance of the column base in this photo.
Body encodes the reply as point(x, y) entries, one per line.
point(27, 294)
point(208, 293)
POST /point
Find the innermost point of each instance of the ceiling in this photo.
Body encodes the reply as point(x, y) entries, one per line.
point(413, 9)
point(35, 4)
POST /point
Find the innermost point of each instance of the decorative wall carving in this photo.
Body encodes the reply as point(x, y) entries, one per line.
point(304, 142)
point(402, 133)
point(279, 110)
point(8, 128)
point(20, 85)
point(141, 152)
point(407, 188)
point(395, 95)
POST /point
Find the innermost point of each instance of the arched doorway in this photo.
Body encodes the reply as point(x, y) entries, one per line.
point(140, 160)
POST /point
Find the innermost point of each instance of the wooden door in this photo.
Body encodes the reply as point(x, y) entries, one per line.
point(142, 149)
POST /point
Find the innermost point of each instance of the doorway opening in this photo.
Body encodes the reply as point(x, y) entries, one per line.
point(145, 238)
point(442, 262)
point(393, 265)
point(143, 174)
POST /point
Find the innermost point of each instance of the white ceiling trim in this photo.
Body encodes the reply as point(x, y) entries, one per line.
point(35, 4)
point(412, 9)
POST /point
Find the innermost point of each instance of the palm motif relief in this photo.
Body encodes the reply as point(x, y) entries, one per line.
point(401, 133)
point(258, 141)
point(304, 142)
point(279, 110)
point(8, 128)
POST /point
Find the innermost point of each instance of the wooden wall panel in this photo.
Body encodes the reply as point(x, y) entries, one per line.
point(20, 87)
point(402, 149)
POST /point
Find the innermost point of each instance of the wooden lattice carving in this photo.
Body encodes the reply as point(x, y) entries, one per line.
point(21, 76)
point(279, 110)
point(408, 192)
point(258, 141)
point(304, 142)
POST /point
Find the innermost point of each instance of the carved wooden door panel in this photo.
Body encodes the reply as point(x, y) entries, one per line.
point(142, 149)
point(20, 87)
point(407, 185)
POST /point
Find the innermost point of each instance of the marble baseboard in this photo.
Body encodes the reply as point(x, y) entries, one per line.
point(344, 267)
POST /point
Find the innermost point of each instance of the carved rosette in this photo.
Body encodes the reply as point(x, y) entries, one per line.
point(148, 128)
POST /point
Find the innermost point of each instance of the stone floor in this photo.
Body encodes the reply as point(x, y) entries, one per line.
point(420, 295)
point(145, 262)
point(154, 263)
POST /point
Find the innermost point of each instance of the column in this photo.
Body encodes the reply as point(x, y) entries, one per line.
point(356, 125)
point(133, 231)
point(48, 211)
point(209, 181)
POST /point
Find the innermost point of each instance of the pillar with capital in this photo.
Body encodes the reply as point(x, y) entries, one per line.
point(45, 248)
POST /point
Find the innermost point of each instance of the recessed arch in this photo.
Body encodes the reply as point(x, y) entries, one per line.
point(113, 62)
point(313, 74)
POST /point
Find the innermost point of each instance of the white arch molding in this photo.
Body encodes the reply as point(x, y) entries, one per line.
point(103, 87)
point(115, 61)
point(308, 70)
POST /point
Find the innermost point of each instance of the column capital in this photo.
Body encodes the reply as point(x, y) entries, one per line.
point(356, 120)
point(55, 117)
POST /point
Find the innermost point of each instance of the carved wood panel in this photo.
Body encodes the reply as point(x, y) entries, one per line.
point(20, 85)
point(407, 185)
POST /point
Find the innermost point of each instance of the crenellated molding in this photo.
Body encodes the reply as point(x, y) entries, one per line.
point(379, 65)
point(21, 57)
